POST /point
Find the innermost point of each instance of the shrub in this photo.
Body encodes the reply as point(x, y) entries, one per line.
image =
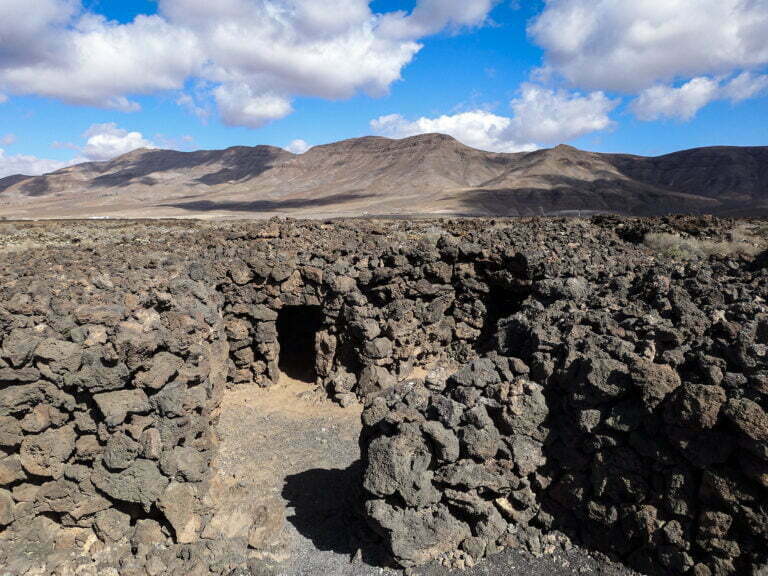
point(741, 243)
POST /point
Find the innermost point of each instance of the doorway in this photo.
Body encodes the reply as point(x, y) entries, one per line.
point(297, 327)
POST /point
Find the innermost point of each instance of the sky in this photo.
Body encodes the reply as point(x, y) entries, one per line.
point(89, 80)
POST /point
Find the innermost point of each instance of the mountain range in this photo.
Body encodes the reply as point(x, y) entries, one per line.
point(427, 174)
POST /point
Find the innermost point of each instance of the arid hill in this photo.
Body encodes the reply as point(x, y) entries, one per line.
point(428, 174)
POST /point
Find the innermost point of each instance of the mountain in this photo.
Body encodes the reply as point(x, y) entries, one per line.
point(427, 174)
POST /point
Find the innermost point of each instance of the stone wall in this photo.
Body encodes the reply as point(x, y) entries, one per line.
point(624, 409)
point(391, 305)
point(526, 383)
point(108, 381)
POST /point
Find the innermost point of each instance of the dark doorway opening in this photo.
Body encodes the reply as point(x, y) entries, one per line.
point(297, 327)
point(501, 302)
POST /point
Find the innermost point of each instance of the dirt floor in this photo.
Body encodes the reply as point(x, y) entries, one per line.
point(291, 455)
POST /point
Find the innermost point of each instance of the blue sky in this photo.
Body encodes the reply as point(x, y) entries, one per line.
point(507, 76)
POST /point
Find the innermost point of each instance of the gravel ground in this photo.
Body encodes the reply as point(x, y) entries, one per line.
point(295, 454)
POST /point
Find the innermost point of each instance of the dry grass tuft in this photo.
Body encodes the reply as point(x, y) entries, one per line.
point(740, 242)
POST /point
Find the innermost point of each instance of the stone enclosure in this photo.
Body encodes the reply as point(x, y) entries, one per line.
point(525, 382)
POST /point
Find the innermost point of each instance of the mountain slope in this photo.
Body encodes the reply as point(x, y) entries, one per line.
point(431, 173)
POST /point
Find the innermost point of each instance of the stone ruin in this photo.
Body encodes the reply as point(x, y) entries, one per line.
point(526, 383)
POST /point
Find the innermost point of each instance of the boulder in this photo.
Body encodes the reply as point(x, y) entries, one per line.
point(444, 441)
point(10, 432)
point(480, 443)
point(751, 421)
point(375, 379)
point(111, 525)
point(18, 346)
point(11, 470)
point(695, 406)
point(53, 350)
point(400, 465)
point(601, 379)
point(7, 506)
point(417, 536)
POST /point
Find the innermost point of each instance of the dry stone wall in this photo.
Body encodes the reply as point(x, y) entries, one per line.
point(108, 381)
point(390, 303)
point(624, 408)
point(526, 383)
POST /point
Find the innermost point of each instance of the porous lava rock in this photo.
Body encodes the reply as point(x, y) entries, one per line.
point(524, 381)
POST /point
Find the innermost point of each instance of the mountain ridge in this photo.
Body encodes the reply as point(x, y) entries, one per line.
point(424, 174)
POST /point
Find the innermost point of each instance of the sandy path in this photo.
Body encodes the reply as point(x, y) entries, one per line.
point(289, 454)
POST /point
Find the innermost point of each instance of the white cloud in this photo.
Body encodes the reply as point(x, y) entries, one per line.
point(101, 63)
point(684, 102)
point(3, 98)
point(477, 128)
point(631, 46)
point(541, 117)
point(431, 16)
point(24, 29)
point(107, 141)
point(27, 165)
point(239, 106)
point(102, 142)
point(256, 55)
point(298, 146)
point(669, 102)
point(745, 86)
point(190, 104)
point(551, 117)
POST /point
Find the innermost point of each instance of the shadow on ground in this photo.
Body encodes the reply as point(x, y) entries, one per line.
point(266, 205)
point(327, 510)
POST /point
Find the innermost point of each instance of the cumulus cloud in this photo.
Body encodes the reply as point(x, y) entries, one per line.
point(541, 116)
point(256, 54)
point(298, 146)
point(102, 63)
point(630, 46)
point(476, 128)
point(240, 106)
point(550, 117)
point(684, 102)
point(27, 165)
point(101, 142)
point(106, 141)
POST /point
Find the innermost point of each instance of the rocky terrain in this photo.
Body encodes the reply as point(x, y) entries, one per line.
point(527, 385)
point(428, 174)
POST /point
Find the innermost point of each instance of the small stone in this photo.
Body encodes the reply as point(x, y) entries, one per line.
point(162, 368)
point(111, 525)
point(11, 470)
point(120, 452)
point(115, 406)
point(178, 503)
point(6, 508)
point(45, 454)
